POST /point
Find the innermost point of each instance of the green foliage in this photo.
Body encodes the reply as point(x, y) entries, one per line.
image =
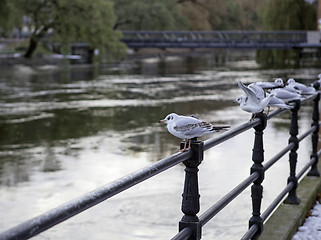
point(71, 21)
point(9, 17)
point(234, 16)
point(221, 14)
point(285, 15)
point(148, 15)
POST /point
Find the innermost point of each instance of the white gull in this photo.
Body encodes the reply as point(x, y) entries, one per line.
point(286, 95)
point(270, 85)
point(189, 127)
point(261, 94)
point(251, 102)
point(304, 89)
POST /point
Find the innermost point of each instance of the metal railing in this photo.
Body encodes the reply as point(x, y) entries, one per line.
point(215, 39)
point(190, 226)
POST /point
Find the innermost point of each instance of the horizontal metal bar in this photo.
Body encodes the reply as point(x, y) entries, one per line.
point(308, 98)
point(276, 113)
point(229, 134)
point(217, 39)
point(219, 31)
point(288, 148)
point(305, 168)
point(250, 233)
point(51, 218)
point(218, 206)
point(276, 201)
point(163, 45)
point(183, 235)
point(307, 133)
point(273, 160)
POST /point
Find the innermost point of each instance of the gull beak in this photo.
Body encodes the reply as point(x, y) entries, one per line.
point(161, 121)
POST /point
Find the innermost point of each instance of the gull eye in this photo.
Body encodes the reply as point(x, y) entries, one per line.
point(168, 118)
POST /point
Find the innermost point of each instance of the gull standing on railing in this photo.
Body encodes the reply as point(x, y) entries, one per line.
point(251, 102)
point(304, 89)
point(261, 94)
point(278, 83)
point(188, 127)
point(286, 95)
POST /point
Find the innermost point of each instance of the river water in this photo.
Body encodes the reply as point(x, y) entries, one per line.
point(66, 131)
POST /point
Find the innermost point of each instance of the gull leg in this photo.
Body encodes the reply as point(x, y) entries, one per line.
point(253, 116)
point(268, 110)
point(184, 149)
point(189, 145)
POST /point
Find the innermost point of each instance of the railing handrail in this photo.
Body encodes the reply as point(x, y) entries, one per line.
point(218, 36)
point(65, 211)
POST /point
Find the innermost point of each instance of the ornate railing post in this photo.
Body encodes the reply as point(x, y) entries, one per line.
point(315, 135)
point(257, 188)
point(294, 130)
point(191, 196)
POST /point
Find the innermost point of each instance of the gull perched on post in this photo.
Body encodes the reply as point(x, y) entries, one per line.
point(278, 83)
point(261, 94)
point(188, 127)
point(286, 95)
point(304, 89)
point(252, 102)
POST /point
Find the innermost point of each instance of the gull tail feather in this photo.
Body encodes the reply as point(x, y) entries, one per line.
point(218, 128)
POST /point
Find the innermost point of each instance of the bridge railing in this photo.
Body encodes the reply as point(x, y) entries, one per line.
point(215, 36)
point(190, 226)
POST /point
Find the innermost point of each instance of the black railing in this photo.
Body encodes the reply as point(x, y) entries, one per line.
point(215, 39)
point(190, 226)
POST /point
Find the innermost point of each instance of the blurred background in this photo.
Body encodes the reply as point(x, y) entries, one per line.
point(67, 128)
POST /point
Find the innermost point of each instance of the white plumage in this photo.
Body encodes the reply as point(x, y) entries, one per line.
point(253, 101)
point(188, 127)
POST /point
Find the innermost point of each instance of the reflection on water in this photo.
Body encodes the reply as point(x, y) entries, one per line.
point(64, 132)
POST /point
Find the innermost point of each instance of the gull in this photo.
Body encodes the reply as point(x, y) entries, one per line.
point(189, 127)
point(278, 83)
point(286, 95)
point(252, 102)
point(261, 94)
point(292, 89)
point(277, 102)
point(319, 80)
point(304, 89)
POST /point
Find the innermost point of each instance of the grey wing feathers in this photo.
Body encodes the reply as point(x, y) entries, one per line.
point(217, 128)
point(185, 128)
point(249, 93)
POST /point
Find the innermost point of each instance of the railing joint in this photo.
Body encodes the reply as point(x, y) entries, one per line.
point(195, 227)
point(258, 221)
point(197, 148)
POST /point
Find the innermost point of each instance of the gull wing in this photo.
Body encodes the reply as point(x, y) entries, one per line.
point(249, 93)
point(186, 124)
point(193, 127)
point(257, 90)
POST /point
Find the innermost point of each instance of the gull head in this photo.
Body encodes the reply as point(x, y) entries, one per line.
point(279, 82)
point(319, 76)
point(169, 118)
point(290, 81)
point(240, 99)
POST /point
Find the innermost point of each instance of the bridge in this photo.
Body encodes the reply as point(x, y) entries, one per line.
point(222, 39)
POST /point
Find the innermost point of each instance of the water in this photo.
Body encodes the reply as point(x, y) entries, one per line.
point(66, 131)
